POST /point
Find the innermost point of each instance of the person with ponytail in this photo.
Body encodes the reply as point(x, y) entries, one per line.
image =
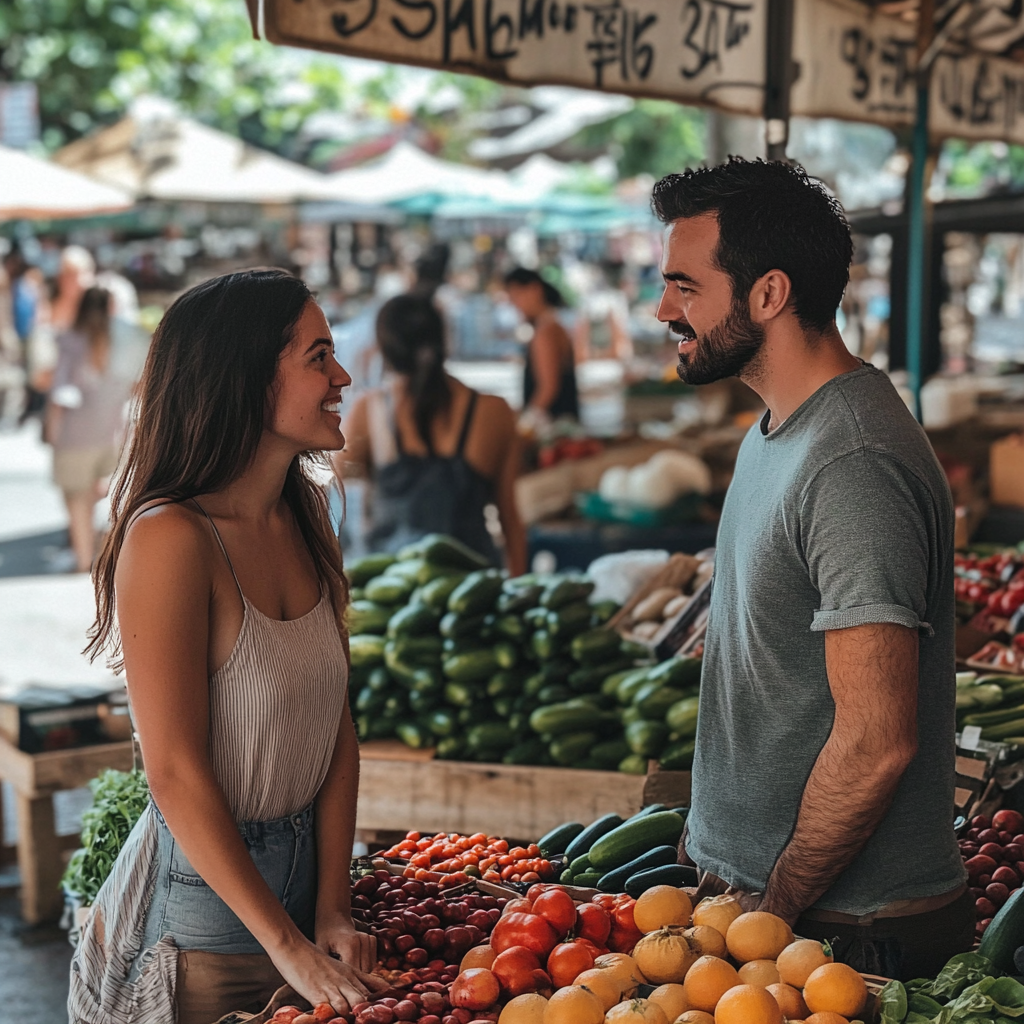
point(437, 452)
point(220, 593)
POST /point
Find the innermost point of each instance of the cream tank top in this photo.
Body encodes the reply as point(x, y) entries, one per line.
point(275, 707)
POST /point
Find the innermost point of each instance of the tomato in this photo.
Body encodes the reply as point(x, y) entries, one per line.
point(622, 940)
point(529, 930)
point(567, 961)
point(593, 923)
point(557, 908)
point(604, 899)
point(624, 914)
point(514, 969)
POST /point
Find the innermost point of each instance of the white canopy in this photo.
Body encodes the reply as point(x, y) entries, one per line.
point(35, 188)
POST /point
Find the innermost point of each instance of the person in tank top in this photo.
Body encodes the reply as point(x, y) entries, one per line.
point(437, 452)
point(220, 592)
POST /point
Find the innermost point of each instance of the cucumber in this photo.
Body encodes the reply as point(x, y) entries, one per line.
point(580, 864)
point(654, 700)
point(369, 701)
point(595, 646)
point(409, 569)
point(984, 718)
point(670, 874)
point(646, 738)
point(442, 723)
point(588, 880)
point(609, 753)
point(476, 594)
point(633, 764)
point(366, 650)
point(604, 610)
point(425, 680)
point(450, 748)
point(565, 877)
point(473, 714)
point(586, 680)
point(566, 590)
point(490, 738)
point(423, 651)
point(471, 666)
point(554, 693)
point(630, 715)
point(1005, 933)
point(413, 620)
point(389, 590)
point(457, 627)
point(629, 840)
point(379, 680)
point(360, 571)
point(572, 747)
point(558, 719)
point(532, 751)
point(557, 671)
point(412, 734)
point(543, 645)
point(681, 673)
point(611, 684)
point(681, 718)
point(515, 600)
point(367, 617)
point(534, 684)
point(503, 707)
point(535, 618)
point(506, 654)
point(435, 594)
point(459, 694)
point(591, 834)
point(440, 549)
point(615, 881)
point(505, 684)
point(678, 757)
point(373, 727)
point(568, 621)
point(511, 627)
point(628, 687)
point(422, 702)
point(644, 811)
point(555, 841)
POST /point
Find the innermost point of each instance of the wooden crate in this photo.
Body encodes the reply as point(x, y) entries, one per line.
point(35, 778)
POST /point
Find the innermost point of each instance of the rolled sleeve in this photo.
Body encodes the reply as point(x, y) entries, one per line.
point(865, 525)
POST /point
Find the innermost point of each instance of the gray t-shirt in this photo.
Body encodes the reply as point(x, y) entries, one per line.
point(838, 518)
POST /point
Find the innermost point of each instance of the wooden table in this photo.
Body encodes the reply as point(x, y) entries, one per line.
point(35, 778)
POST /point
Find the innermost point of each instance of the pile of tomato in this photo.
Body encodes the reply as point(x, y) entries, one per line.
point(451, 859)
point(993, 581)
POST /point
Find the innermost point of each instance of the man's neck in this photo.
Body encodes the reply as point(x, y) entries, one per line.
point(792, 365)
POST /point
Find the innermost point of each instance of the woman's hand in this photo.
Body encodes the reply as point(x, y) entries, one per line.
point(318, 977)
point(338, 936)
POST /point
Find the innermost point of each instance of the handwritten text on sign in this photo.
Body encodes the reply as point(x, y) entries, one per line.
point(696, 51)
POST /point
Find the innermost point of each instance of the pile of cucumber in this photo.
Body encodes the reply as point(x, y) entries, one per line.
point(451, 654)
point(628, 856)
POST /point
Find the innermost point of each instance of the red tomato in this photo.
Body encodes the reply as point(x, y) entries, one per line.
point(593, 923)
point(529, 930)
point(623, 914)
point(568, 961)
point(622, 940)
point(604, 899)
point(557, 908)
point(514, 969)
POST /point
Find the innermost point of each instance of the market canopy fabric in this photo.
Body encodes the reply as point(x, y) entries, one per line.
point(33, 189)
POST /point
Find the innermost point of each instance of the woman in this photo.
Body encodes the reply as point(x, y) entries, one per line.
point(549, 376)
point(226, 584)
point(85, 418)
point(438, 453)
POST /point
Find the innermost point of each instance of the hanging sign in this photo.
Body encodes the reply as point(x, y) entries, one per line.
point(709, 52)
point(859, 66)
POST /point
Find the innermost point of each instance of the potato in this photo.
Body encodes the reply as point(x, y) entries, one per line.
point(653, 605)
point(675, 606)
point(646, 630)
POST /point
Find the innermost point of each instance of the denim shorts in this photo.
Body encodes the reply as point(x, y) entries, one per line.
point(187, 911)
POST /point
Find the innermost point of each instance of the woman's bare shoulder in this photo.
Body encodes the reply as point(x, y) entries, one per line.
point(165, 534)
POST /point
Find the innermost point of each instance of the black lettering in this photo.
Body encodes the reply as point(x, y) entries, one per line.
point(531, 18)
point(642, 55)
point(571, 14)
point(554, 14)
point(492, 27)
point(703, 35)
point(982, 98)
point(855, 49)
point(416, 5)
point(341, 24)
point(463, 18)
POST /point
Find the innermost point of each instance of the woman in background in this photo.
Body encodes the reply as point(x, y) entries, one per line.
point(549, 376)
point(437, 452)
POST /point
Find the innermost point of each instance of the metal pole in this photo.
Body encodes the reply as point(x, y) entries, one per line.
point(779, 76)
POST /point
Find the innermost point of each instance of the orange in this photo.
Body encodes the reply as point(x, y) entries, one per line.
point(625, 971)
point(757, 936)
point(835, 987)
point(603, 984)
point(826, 1018)
point(717, 912)
point(525, 1009)
point(759, 972)
point(662, 905)
point(791, 1003)
point(707, 981)
point(706, 941)
point(748, 1004)
point(478, 956)
point(671, 998)
point(664, 956)
point(636, 1011)
point(800, 958)
point(573, 1005)
point(695, 1017)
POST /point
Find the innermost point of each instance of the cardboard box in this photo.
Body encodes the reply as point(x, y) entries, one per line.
point(1006, 471)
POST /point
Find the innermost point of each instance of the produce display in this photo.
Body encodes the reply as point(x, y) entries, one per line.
point(994, 703)
point(518, 670)
point(993, 852)
point(989, 586)
point(647, 618)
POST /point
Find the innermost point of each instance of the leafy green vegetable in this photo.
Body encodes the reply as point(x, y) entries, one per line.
point(118, 800)
point(893, 1001)
point(924, 1005)
point(962, 970)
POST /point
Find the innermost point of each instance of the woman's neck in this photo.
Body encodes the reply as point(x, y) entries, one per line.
point(257, 495)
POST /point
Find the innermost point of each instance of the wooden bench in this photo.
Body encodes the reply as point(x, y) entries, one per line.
point(41, 852)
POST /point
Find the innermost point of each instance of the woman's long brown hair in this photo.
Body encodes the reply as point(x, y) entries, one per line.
point(203, 402)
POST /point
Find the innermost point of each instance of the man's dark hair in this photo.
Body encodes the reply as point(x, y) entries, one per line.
point(771, 216)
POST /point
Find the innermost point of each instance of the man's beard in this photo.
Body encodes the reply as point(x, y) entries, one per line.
point(725, 351)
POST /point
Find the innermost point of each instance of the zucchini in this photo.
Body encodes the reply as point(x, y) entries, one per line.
point(503, 707)
point(554, 693)
point(367, 617)
point(450, 748)
point(669, 874)
point(580, 864)
point(409, 569)
point(534, 684)
point(557, 671)
point(633, 764)
point(532, 751)
point(644, 811)
point(586, 680)
point(471, 666)
point(572, 747)
point(425, 680)
point(565, 877)
point(558, 719)
point(505, 684)
point(590, 835)
point(604, 610)
point(654, 700)
point(412, 734)
point(416, 650)
point(678, 757)
point(1005, 934)
point(566, 590)
point(366, 650)
point(595, 646)
point(395, 706)
point(389, 590)
point(587, 880)
point(490, 738)
point(608, 754)
point(984, 718)
point(457, 627)
point(373, 727)
point(681, 673)
point(646, 738)
point(369, 702)
point(435, 594)
point(555, 841)
point(423, 701)
point(543, 645)
point(629, 715)
point(459, 694)
point(473, 714)
point(682, 717)
point(379, 680)
point(535, 618)
point(442, 723)
point(615, 881)
point(506, 654)
point(630, 684)
point(515, 600)
point(568, 621)
point(476, 594)
point(611, 684)
point(413, 620)
point(1004, 730)
point(360, 571)
point(618, 847)
point(440, 549)
point(511, 627)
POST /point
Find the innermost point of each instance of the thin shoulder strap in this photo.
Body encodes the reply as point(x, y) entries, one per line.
point(224, 550)
point(467, 422)
point(392, 411)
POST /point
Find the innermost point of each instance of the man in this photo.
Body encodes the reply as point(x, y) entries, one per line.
point(823, 781)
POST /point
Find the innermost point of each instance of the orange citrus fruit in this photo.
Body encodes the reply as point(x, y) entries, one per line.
point(759, 972)
point(625, 971)
point(835, 987)
point(706, 941)
point(757, 936)
point(791, 1003)
point(573, 1005)
point(664, 956)
point(603, 983)
point(636, 1011)
point(671, 998)
point(747, 1004)
point(717, 912)
point(524, 1009)
point(799, 959)
point(695, 1017)
point(707, 981)
point(662, 905)
point(828, 1017)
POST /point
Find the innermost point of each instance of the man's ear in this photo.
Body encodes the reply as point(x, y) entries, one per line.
point(770, 296)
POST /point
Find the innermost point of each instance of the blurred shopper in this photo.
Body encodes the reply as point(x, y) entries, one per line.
point(549, 377)
point(12, 373)
point(77, 272)
point(436, 451)
point(85, 418)
point(26, 304)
